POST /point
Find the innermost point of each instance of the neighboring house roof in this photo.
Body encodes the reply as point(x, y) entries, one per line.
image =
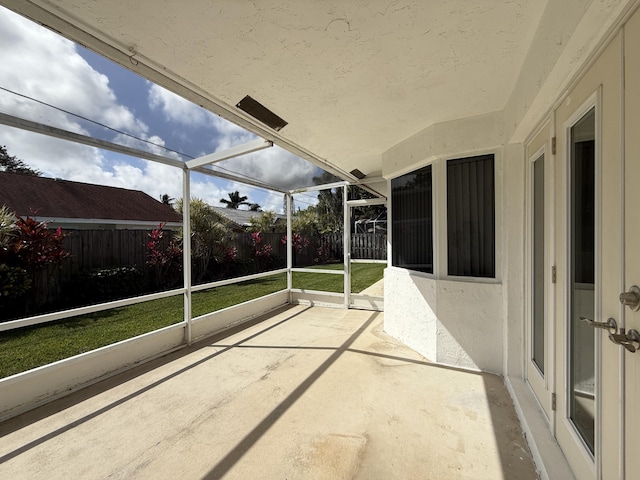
point(48, 198)
point(241, 218)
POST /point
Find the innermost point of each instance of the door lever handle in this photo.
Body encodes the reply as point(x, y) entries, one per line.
point(610, 324)
point(627, 339)
point(632, 337)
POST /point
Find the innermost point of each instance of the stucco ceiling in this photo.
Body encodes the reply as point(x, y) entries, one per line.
point(352, 79)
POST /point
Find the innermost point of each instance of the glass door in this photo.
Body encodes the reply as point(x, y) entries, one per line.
point(539, 368)
point(582, 280)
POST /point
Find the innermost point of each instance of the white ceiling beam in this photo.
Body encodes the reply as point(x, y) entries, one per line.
point(366, 201)
point(314, 188)
point(238, 150)
point(368, 180)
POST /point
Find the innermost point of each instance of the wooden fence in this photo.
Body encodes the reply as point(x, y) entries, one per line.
point(366, 246)
point(106, 248)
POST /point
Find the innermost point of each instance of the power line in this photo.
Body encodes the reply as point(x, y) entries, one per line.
point(95, 122)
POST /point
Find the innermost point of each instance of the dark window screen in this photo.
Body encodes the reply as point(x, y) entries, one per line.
point(471, 216)
point(412, 213)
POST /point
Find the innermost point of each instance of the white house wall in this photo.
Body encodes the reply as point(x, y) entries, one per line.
point(448, 321)
point(513, 260)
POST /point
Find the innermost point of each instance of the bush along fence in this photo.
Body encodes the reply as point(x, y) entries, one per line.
point(56, 269)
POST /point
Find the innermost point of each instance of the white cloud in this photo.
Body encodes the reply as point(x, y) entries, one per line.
point(42, 65)
point(274, 166)
point(175, 108)
point(186, 114)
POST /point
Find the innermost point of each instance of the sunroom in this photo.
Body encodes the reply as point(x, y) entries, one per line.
point(502, 138)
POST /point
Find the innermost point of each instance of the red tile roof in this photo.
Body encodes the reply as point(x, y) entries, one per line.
point(62, 199)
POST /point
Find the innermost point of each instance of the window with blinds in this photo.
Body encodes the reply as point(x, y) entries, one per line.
point(412, 225)
point(471, 216)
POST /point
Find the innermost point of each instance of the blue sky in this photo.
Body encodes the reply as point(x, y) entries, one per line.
point(40, 64)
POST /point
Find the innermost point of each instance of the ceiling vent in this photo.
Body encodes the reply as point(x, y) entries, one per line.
point(261, 113)
point(357, 173)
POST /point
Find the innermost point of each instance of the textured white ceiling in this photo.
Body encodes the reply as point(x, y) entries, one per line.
point(352, 78)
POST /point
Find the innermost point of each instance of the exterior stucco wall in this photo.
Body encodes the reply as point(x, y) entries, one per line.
point(410, 307)
point(513, 256)
point(450, 322)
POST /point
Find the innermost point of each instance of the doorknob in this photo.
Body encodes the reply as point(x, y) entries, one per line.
point(631, 298)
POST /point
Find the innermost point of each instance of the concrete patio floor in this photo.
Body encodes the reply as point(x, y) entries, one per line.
point(308, 393)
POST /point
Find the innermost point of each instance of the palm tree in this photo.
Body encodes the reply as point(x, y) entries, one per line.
point(235, 200)
point(166, 199)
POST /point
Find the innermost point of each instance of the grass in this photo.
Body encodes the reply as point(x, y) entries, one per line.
point(362, 276)
point(31, 347)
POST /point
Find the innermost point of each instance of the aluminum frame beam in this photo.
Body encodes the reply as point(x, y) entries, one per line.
point(55, 132)
point(238, 150)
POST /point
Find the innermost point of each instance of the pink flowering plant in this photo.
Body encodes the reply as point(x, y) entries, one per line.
point(299, 242)
point(262, 251)
point(163, 257)
point(36, 246)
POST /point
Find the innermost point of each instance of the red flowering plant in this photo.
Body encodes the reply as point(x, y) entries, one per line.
point(163, 257)
point(230, 254)
point(36, 246)
point(299, 242)
point(29, 249)
point(262, 251)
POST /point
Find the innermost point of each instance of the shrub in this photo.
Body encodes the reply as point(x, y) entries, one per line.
point(29, 245)
point(261, 251)
point(36, 246)
point(8, 228)
point(15, 283)
point(165, 261)
point(106, 284)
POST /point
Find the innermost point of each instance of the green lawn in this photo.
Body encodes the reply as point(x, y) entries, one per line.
point(31, 347)
point(362, 275)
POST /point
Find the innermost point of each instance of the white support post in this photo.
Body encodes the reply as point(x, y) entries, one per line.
point(186, 251)
point(347, 246)
point(289, 247)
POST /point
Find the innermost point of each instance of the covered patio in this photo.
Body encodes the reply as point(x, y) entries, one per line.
point(502, 137)
point(305, 392)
